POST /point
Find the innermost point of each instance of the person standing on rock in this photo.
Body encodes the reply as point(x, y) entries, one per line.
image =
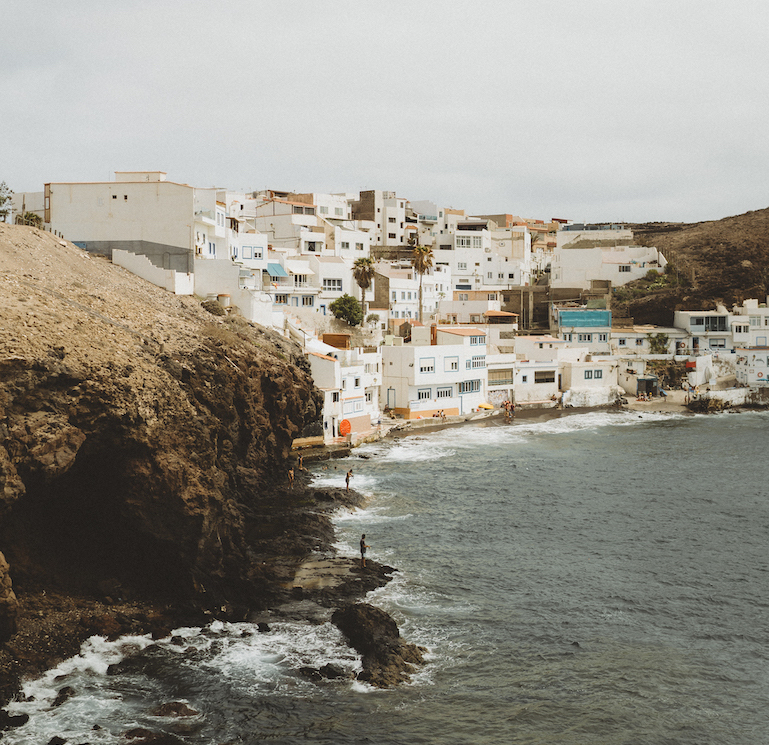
point(363, 548)
point(347, 480)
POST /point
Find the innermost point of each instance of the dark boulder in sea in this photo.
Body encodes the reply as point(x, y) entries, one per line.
point(387, 660)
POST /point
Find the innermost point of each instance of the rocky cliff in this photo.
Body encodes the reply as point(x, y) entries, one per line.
point(143, 440)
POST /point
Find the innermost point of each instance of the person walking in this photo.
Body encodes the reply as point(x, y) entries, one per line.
point(363, 547)
point(290, 478)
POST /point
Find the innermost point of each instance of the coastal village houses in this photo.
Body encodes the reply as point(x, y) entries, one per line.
point(281, 258)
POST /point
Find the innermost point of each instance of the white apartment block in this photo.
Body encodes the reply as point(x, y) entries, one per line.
point(580, 267)
point(385, 214)
point(350, 380)
point(422, 378)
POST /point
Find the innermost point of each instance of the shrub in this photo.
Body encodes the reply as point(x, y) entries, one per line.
point(347, 308)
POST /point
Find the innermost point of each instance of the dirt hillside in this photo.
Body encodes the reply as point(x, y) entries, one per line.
point(720, 261)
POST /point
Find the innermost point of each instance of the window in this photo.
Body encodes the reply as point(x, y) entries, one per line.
point(443, 247)
point(639, 342)
point(476, 340)
point(427, 365)
point(358, 246)
point(323, 210)
point(391, 235)
point(715, 323)
point(409, 296)
point(451, 363)
point(114, 196)
point(601, 337)
point(477, 241)
point(584, 337)
point(489, 275)
point(588, 374)
point(544, 376)
point(345, 245)
point(335, 396)
point(446, 392)
point(462, 242)
point(698, 321)
point(357, 382)
point(475, 362)
point(423, 394)
point(403, 295)
point(390, 219)
point(597, 374)
point(474, 318)
point(297, 210)
point(125, 197)
point(461, 265)
point(621, 342)
point(309, 210)
point(470, 386)
point(338, 211)
point(488, 258)
point(281, 299)
point(248, 252)
point(511, 276)
point(500, 276)
point(501, 377)
point(492, 296)
point(308, 301)
point(333, 285)
point(523, 378)
point(624, 268)
point(369, 397)
point(718, 343)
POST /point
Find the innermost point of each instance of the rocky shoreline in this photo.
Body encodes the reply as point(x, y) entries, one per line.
point(144, 454)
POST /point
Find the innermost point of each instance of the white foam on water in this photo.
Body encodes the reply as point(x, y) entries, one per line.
point(335, 479)
point(91, 703)
point(416, 449)
point(267, 662)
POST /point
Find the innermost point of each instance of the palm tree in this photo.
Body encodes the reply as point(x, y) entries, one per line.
point(363, 273)
point(422, 261)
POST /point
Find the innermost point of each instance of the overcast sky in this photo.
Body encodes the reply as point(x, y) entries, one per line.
point(582, 109)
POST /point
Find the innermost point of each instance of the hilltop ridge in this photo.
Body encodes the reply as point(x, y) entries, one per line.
point(716, 261)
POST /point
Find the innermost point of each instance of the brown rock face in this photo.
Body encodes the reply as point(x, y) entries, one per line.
point(387, 659)
point(143, 441)
point(8, 604)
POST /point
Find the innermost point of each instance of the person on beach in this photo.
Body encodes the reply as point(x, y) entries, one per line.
point(301, 462)
point(363, 548)
point(290, 478)
point(347, 480)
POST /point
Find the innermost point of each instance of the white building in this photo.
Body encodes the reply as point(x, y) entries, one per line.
point(422, 378)
point(537, 379)
point(750, 324)
point(637, 340)
point(350, 380)
point(708, 330)
point(580, 267)
point(752, 366)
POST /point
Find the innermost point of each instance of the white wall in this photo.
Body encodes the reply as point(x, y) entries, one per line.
point(177, 282)
point(160, 212)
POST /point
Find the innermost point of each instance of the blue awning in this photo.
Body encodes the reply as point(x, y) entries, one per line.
point(276, 270)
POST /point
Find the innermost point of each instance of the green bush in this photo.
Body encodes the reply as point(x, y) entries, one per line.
point(347, 308)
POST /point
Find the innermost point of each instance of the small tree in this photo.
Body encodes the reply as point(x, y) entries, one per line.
point(347, 308)
point(5, 201)
point(372, 318)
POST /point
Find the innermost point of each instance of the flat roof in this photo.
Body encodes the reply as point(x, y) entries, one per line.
point(461, 332)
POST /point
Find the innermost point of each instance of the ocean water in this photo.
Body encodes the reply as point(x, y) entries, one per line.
point(599, 578)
